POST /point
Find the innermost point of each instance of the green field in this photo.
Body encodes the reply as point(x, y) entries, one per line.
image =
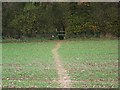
point(28, 65)
point(89, 63)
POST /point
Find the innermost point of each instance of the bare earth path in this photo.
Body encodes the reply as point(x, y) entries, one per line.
point(64, 79)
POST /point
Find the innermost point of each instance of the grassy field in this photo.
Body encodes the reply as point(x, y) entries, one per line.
point(89, 63)
point(28, 65)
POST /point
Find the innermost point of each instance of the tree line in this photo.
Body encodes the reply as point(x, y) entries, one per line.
point(43, 19)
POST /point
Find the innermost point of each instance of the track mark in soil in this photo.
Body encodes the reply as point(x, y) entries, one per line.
point(64, 79)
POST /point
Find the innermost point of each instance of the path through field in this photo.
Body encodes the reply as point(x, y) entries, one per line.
point(64, 79)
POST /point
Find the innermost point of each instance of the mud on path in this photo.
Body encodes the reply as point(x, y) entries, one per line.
point(64, 79)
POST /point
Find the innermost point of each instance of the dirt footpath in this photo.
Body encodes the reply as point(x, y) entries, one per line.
point(64, 79)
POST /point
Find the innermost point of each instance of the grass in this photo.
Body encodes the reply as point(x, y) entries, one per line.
point(28, 65)
point(91, 63)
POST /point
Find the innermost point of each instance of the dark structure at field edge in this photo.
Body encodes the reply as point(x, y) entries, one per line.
point(61, 35)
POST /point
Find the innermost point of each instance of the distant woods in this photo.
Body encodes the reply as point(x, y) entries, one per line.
point(36, 19)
